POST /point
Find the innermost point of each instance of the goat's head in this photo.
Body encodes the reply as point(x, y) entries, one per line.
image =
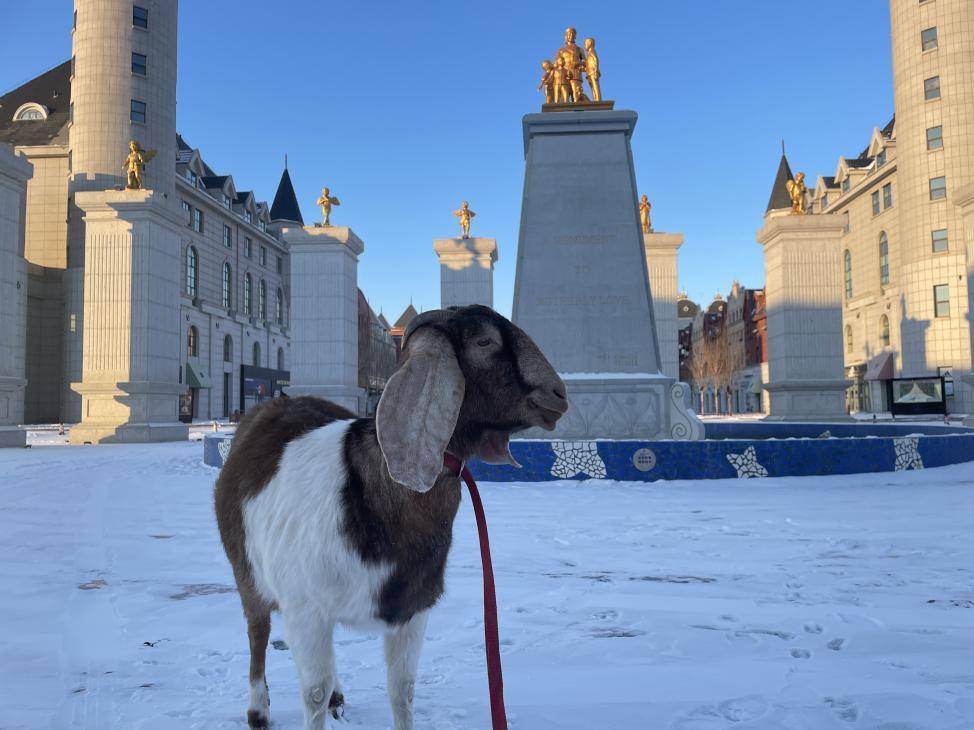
point(468, 380)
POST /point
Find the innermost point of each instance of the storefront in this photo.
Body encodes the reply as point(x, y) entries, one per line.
point(917, 396)
point(260, 384)
point(196, 379)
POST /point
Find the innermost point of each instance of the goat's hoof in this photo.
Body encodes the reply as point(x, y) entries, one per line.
point(257, 720)
point(336, 705)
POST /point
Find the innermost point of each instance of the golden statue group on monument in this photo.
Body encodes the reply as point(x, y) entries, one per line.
point(562, 80)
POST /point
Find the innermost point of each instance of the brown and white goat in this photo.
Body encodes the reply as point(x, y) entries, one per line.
point(329, 518)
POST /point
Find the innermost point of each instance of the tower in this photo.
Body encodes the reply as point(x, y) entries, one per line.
point(123, 87)
point(933, 73)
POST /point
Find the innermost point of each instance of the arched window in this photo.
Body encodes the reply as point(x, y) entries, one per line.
point(883, 258)
point(848, 338)
point(847, 261)
point(193, 342)
point(884, 330)
point(280, 358)
point(30, 112)
point(279, 307)
point(227, 349)
point(227, 285)
point(262, 300)
point(257, 354)
point(192, 271)
point(248, 294)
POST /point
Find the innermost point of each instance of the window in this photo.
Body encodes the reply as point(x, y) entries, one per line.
point(30, 113)
point(192, 342)
point(248, 302)
point(875, 199)
point(140, 17)
point(845, 222)
point(191, 177)
point(227, 236)
point(939, 240)
point(887, 196)
point(248, 248)
point(280, 265)
point(263, 255)
point(74, 23)
point(226, 201)
point(257, 354)
point(137, 111)
point(188, 211)
point(935, 138)
point(945, 372)
point(262, 300)
point(279, 307)
point(227, 349)
point(280, 358)
point(138, 64)
point(227, 285)
point(825, 201)
point(928, 39)
point(262, 225)
point(192, 271)
point(197, 220)
point(941, 300)
point(884, 331)
point(938, 188)
point(846, 184)
point(248, 216)
point(931, 88)
point(848, 338)
point(847, 265)
point(881, 158)
point(883, 259)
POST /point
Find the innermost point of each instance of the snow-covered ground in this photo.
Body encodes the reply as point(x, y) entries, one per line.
point(844, 602)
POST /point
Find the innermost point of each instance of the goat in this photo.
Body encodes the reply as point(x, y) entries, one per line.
point(315, 519)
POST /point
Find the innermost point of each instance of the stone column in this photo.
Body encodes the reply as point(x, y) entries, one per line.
point(324, 314)
point(662, 252)
point(130, 352)
point(15, 171)
point(964, 200)
point(466, 270)
point(803, 291)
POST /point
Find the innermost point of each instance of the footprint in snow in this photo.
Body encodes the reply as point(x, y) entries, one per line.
point(845, 709)
point(813, 628)
point(836, 644)
point(801, 653)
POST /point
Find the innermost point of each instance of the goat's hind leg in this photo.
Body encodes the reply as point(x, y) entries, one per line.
point(402, 647)
point(258, 631)
point(310, 639)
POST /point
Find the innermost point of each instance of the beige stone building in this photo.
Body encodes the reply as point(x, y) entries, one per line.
point(73, 124)
point(905, 261)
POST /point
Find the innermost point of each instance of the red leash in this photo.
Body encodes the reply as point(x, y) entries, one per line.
point(495, 676)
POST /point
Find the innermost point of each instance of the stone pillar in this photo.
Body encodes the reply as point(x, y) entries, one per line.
point(324, 314)
point(466, 270)
point(130, 353)
point(15, 171)
point(662, 252)
point(964, 200)
point(582, 291)
point(803, 297)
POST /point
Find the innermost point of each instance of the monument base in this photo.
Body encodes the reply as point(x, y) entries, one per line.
point(808, 400)
point(624, 406)
point(578, 106)
point(12, 437)
point(347, 396)
point(138, 413)
point(466, 270)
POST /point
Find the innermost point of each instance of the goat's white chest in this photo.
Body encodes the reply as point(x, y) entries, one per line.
point(295, 546)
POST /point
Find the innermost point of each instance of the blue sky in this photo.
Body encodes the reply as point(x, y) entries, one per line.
point(404, 109)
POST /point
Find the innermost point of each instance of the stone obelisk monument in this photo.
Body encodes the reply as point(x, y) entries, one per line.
point(582, 288)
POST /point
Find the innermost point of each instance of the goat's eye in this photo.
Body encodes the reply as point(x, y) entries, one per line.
point(483, 342)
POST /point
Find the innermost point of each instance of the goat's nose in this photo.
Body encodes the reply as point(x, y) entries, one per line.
point(559, 393)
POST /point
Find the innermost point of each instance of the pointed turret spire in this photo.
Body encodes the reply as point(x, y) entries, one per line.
point(285, 206)
point(779, 193)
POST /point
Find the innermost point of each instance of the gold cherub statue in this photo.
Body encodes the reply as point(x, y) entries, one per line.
point(134, 164)
point(464, 214)
point(592, 69)
point(644, 207)
point(547, 81)
point(796, 189)
point(326, 201)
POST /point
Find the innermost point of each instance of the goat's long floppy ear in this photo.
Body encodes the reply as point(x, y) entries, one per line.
point(418, 410)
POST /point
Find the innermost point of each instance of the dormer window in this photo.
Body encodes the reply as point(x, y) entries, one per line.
point(825, 201)
point(881, 158)
point(30, 112)
point(248, 216)
point(226, 201)
point(191, 177)
point(846, 183)
point(262, 226)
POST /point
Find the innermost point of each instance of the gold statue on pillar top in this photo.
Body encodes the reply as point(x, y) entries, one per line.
point(562, 79)
point(134, 164)
point(547, 81)
point(326, 200)
point(592, 72)
point(464, 214)
point(796, 189)
point(644, 207)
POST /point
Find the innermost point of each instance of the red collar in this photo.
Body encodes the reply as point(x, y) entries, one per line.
point(453, 463)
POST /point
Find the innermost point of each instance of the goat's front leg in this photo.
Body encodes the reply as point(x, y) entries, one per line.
point(402, 646)
point(310, 639)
